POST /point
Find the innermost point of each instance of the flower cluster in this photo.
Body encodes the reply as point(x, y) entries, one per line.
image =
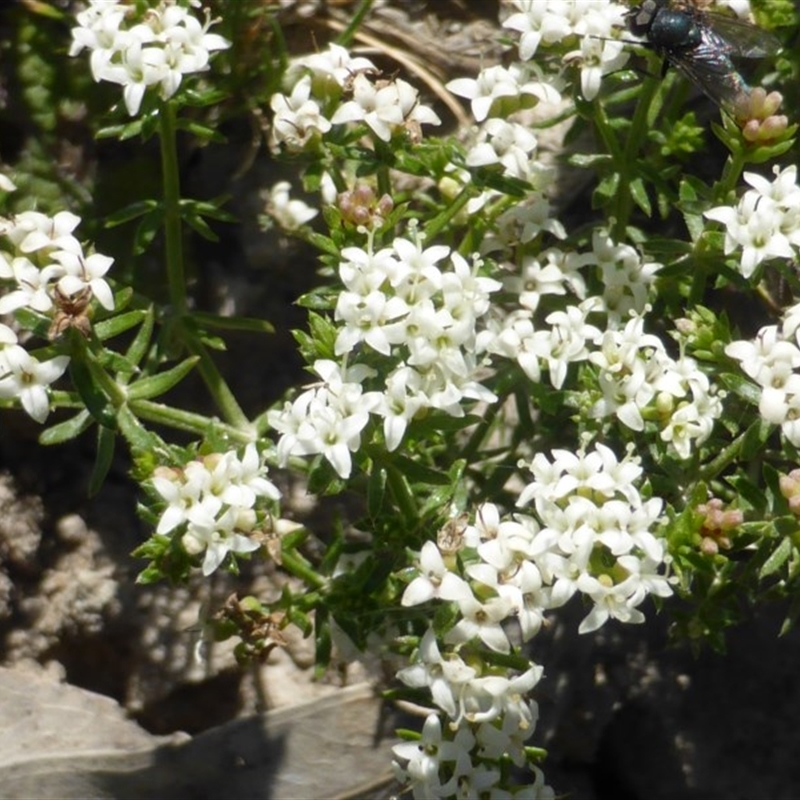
point(772, 360)
point(46, 264)
point(213, 502)
point(592, 25)
point(591, 533)
point(43, 268)
point(638, 378)
point(156, 50)
point(421, 316)
point(766, 221)
point(316, 87)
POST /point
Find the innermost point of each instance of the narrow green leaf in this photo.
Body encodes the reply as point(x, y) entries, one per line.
point(755, 437)
point(131, 212)
point(414, 472)
point(639, 195)
point(155, 385)
point(376, 491)
point(136, 435)
point(114, 326)
point(141, 342)
point(200, 226)
point(248, 324)
point(69, 429)
point(146, 230)
point(106, 440)
point(777, 558)
point(322, 243)
point(96, 402)
point(742, 387)
point(203, 132)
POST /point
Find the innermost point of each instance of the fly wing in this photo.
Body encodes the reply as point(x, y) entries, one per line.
point(710, 68)
point(739, 38)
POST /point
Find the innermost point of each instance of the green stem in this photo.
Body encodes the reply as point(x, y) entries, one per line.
point(731, 175)
point(345, 38)
point(224, 398)
point(626, 159)
point(433, 228)
point(173, 235)
point(176, 277)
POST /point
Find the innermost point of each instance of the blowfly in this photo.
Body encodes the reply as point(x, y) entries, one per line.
point(701, 45)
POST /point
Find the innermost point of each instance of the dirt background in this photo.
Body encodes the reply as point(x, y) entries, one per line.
point(624, 715)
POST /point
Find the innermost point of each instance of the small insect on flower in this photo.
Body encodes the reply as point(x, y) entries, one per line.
point(701, 45)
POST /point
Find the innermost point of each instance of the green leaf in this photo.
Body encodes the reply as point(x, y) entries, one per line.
point(97, 404)
point(146, 231)
point(322, 243)
point(141, 342)
point(749, 494)
point(115, 362)
point(155, 385)
point(202, 132)
point(69, 429)
point(639, 195)
point(415, 472)
point(606, 189)
point(777, 559)
point(247, 324)
point(755, 437)
point(212, 209)
point(139, 439)
point(121, 132)
point(131, 212)
point(199, 225)
point(742, 387)
point(589, 161)
point(376, 491)
point(106, 440)
point(114, 326)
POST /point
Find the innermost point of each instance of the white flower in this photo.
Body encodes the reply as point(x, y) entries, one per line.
point(597, 57)
point(216, 535)
point(480, 621)
point(612, 601)
point(400, 402)
point(32, 231)
point(434, 580)
point(510, 144)
point(499, 83)
point(6, 184)
point(297, 118)
point(81, 272)
point(289, 213)
point(425, 756)
point(24, 378)
point(755, 227)
point(33, 286)
point(383, 107)
point(334, 64)
point(446, 677)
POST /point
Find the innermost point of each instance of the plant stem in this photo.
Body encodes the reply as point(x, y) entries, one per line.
point(176, 277)
point(173, 235)
point(626, 159)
